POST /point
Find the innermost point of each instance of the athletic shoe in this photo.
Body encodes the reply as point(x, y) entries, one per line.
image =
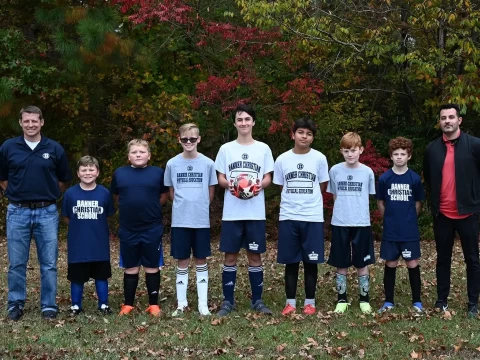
point(105, 310)
point(226, 308)
point(125, 310)
point(418, 307)
point(386, 306)
point(309, 309)
point(288, 309)
point(15, 313)
point(441, 305)
point(365, 307)
point(472, 310)
point(260, 307)
point(179, 311)
point(203, 310)
point(75, 310)
point(341, 307)
point(49, 314)
point(153, 310)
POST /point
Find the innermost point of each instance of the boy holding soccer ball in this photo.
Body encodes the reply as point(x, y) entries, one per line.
point(243, 221)
point(302, 174)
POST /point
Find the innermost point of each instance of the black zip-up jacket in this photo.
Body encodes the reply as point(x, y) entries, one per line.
point(467, 172)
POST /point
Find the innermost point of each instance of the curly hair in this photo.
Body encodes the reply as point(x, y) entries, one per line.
point(400, 143)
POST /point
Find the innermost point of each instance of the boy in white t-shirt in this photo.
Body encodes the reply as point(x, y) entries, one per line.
point(191, 178)
point(302, 174)
point(351, 183)
point(243, 221)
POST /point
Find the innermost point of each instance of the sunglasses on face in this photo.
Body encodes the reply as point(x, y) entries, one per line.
point(193, 140)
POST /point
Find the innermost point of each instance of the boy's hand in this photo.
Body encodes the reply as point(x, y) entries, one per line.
point(231, 188)
point(258, 188)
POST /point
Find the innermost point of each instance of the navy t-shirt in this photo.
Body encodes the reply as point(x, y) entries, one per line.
point(88, 236)
point(400, 192)
point(33, 175)
point(139, 191)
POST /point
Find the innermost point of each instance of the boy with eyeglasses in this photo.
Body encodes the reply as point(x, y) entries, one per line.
point(191, 178)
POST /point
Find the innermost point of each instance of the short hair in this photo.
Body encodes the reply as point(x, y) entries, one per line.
point(304, 123)
point(350, 140)
point(187, 127)
point(139, 142)
point(87, 160)
point(244, 108)
point(450, 106)
point(30, 109)
point(400, 143)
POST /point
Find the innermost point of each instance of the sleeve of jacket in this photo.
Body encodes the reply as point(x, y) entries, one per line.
point(426, 169)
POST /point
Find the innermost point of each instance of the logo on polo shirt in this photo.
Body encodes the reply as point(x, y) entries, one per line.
point(253, 246)
point(46, 156)
point(313, 256)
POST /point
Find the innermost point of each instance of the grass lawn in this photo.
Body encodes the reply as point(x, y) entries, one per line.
point(399, 334)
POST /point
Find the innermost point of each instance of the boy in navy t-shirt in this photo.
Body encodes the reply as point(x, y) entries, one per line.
point(399, 197)
point(85, 208)
point(141, 193)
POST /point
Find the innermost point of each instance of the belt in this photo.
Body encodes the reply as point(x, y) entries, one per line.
point(34, 205)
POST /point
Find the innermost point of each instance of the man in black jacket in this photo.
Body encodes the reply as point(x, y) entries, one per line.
point(451, 170)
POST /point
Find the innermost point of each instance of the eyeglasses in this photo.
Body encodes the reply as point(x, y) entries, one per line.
point(193, 140)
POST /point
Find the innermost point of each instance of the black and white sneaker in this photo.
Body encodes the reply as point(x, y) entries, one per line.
point(104, 309)
point(75, 310)
point(441, 305)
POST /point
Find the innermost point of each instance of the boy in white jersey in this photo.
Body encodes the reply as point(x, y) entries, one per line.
point(399, 199)
point(191, 178)
point(243, 222)
point(302, 174)
point(351, 183)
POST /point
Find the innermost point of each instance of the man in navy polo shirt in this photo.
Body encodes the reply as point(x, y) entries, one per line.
point(33, 171)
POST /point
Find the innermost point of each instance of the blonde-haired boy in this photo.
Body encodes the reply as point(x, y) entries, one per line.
point(140, 192)
point(192, 178)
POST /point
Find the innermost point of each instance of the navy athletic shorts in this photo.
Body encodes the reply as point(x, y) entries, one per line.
point(141, 248)
point(351, 245)
point(186, 241)
point(82, 272)
point(300, 241)
point(392, 250)
point(246, 234)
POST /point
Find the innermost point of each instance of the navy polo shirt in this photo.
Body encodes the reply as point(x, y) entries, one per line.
point(33, 175)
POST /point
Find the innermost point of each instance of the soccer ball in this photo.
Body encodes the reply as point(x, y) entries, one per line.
point(244, 186)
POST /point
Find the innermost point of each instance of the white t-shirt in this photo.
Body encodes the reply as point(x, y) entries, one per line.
point(191, 179)
point(352, 186)
point(234, 159)
point(300, 176)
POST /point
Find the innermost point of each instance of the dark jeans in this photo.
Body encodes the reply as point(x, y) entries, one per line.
point(444, 229)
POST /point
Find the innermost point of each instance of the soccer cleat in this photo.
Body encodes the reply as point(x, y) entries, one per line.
point(418, 307)
point(104, 309)
point(386, 306)
point(75, 310)
point(226, 308)
point(49, 314)
point(441, 305)
point(288, 309)
point(125, 310)
point(203, 310)
point(179, 312)
point(341, 308)
point(365, 307)
point(309, 309)
point(15, 313)
point(260, 307)
point(153, 310)
point(472, 310)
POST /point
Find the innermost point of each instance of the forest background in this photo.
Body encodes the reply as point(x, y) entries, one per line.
point(104, 72)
